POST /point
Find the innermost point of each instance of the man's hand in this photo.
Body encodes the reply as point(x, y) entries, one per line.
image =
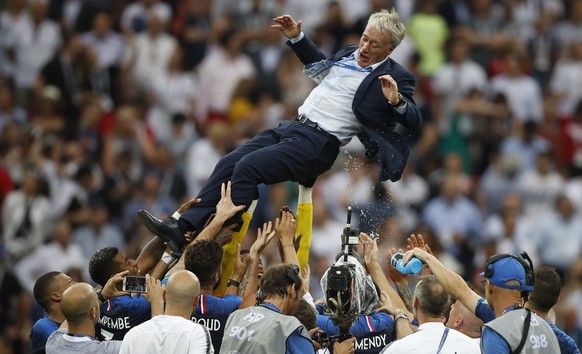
point(395, 275)
point(386, 305)
point(287, 25)
point(285, 228)
point(225, 209)
point(390, 89)
point(240, 266)
point(370, 249)
point(415, 252)
point(188, 204)
point(264, 236)
point(417, 241)
point(345, 347)
point(155, 295)
point(110, 288)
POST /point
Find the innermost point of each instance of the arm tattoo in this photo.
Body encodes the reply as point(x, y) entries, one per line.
point(405, 295)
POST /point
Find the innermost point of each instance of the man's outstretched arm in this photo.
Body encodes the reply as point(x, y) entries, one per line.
point(453, 283)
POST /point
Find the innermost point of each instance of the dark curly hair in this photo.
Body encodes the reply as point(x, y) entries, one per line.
point(102, 265)
point(204, 259)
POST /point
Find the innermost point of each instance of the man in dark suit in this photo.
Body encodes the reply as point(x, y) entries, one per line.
point(361, 92)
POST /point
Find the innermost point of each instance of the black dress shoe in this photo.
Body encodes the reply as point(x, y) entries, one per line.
point(165, 229)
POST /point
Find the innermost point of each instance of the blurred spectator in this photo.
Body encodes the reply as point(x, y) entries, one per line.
point(454, 80)
point(522, 91)
point(192, 25)
point(173, 184)
point(571, 311)
point(26, 216)
point(455, 220)
point(540, 187)
point(34, 41)
point(107, 44)
point(484, 30)
point(570, 29)
point(219, 73)
point(172, 91)
point(571, 137)
point(12, 15)
point(559, 236)
point(64, 72)
point(498, 180)
point(98, 233)
point(429, 31)
point(524, 145)
point(9, 112)
point(14, 306)
point(508, 231)
point(543, 49)
point(149, 52)
point(203, 155)
point(565, 78)
point(267, 57)
point(409, 194)
point(59, 255)
point(137, 15)
point(325, 234)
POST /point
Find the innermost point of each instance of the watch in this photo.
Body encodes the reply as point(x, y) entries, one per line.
point(400, 315)
point(232, 282)
point(101, 297)
point(401, 103)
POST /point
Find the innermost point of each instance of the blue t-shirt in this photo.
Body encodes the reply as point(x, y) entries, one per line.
point(212, 312)
point(40, 332)
point(372, 332)
point(120, 314)
point(567, 344)
point(296, 343)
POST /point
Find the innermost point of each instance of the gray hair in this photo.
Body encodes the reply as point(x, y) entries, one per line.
point(388, 22)
point(432, 297)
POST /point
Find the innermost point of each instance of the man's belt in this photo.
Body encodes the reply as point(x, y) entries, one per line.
point(304, 120)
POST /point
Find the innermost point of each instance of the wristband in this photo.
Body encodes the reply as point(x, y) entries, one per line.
point(100, 297)
point(232, 282)
point(168, 258)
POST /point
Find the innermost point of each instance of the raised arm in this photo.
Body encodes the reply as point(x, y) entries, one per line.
point(285, 231)
point(451, 281)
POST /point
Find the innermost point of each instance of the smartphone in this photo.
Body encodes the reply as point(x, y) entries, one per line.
point(135, 284)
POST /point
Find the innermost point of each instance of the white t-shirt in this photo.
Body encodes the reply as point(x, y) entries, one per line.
point(167, 334)
point(427, 339)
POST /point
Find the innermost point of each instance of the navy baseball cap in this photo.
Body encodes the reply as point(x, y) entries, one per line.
point(507, 269)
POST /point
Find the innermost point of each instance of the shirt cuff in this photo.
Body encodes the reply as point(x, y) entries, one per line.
point(402, 109)
point(297, 39)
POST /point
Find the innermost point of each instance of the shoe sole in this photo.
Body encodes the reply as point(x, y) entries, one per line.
point(151, 228)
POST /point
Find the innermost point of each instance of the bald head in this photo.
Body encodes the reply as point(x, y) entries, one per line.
point(182, 288)
point(78, 301)
point(464, 320)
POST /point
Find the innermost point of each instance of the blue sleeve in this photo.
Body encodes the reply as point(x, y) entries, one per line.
point(483, 312)
point(326, 324)
point(373, 323)
point(218, 305)
point(567, 344)
point(493, 343)
point(139, 305)
point(297, 344)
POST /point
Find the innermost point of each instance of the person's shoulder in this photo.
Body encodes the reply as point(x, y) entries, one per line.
point(45, 324)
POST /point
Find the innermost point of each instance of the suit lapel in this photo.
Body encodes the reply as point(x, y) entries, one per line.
point(383, 69)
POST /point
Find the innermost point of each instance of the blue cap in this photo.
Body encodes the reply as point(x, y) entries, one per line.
point(505, 270)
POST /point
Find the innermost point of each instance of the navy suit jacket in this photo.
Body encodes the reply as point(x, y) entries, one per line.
point(381, 135)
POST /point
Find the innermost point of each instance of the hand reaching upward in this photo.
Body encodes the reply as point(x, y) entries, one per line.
point(287, 25)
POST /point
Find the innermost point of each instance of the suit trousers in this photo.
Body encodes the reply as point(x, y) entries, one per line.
point(291, 152)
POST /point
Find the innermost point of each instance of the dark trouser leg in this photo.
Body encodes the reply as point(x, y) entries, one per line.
point(292, 151)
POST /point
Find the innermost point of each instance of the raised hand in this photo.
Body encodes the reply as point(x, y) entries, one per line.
point(110, 289)
point(225, 209)
point(287, 25)
point(417, 241)
point(390, 89)
point(285, 228)
point(264, 236)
